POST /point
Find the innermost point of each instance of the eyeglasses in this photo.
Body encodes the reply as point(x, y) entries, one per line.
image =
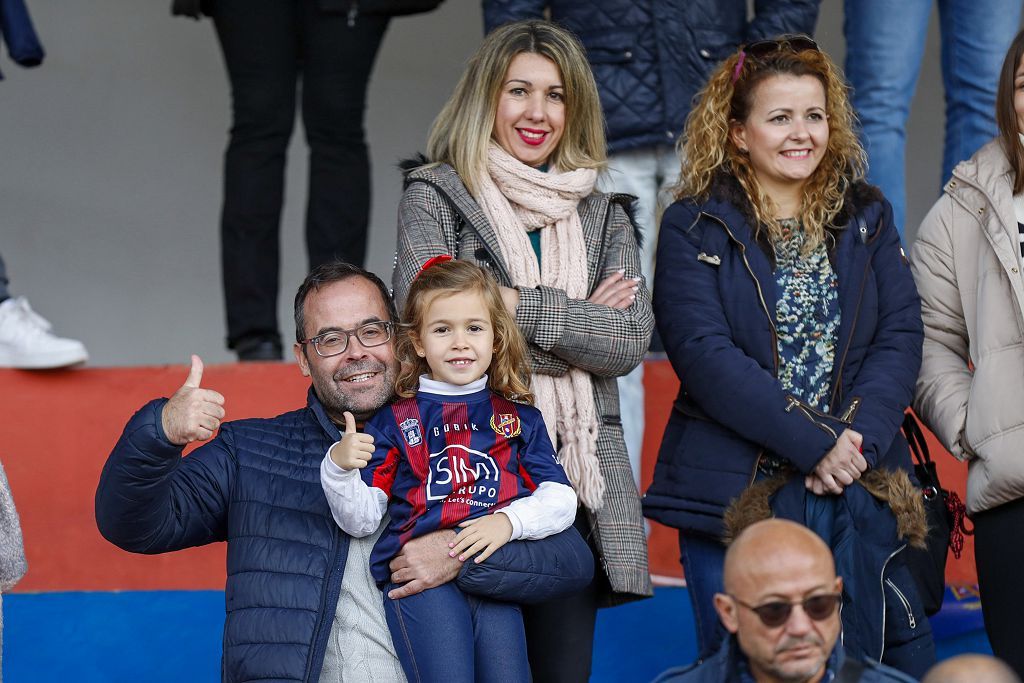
point(775, 614)
point(762, 48)
point(336, 341)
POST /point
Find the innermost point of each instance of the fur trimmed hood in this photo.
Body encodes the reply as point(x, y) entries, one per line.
point(890, 486)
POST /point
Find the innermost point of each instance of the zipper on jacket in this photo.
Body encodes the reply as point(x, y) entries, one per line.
point(903, 600)
point(851, 411)
point(753, 473)
point(330, 594)
point(760, 293)
point(881, 586)
point(849, 341)
point(767, 313)
point(792, 402)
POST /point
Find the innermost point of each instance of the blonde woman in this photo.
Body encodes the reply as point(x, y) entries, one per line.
point(509, 184)
point(789, 313)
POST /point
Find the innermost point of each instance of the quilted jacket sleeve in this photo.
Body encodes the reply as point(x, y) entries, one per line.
point(606, 341)
point(498, 12)
point(729, 385)
point(944, 384)
point(152, 500)
point(885, 381)
point(777, 17)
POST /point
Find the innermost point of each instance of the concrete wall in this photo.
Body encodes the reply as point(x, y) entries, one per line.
point(110, 166)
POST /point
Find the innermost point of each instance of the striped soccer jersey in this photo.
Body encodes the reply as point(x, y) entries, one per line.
point(444, 459)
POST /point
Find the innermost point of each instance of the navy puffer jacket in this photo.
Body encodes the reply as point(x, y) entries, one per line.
point(651, 57)
point(257, 486)
point(714, 301)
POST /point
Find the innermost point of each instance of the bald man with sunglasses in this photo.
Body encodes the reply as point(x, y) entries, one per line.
point(781, 609)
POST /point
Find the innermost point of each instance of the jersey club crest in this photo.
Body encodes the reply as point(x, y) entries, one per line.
point(411, 431)
point(506, 424)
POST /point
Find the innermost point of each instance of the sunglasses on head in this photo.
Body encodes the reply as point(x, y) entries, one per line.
point(796, 43)
point(777, 613)
point(763, 48)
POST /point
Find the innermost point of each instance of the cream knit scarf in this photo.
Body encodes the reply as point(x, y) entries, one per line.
point(518, 199)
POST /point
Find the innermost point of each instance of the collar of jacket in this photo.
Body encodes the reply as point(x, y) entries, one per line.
point(594, 214)
point(320, 413)
point(983, 187)
point(730, 664)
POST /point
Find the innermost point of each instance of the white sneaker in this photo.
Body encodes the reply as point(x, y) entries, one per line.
point(27, 341)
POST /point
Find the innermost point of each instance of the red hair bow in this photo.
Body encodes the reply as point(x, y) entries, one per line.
point(440, 258)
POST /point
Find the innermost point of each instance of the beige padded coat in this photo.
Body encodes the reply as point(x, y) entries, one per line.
point(966, 264)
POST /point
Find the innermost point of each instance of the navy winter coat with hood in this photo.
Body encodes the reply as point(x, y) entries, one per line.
point(650, 57)
point(714, 301)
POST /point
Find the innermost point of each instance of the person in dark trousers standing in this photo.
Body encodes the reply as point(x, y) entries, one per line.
point(269, 48)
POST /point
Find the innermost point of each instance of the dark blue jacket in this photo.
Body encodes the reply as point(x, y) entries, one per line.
point(257, 486)
point(724, 667)
point(650, 57)
point(714, 301)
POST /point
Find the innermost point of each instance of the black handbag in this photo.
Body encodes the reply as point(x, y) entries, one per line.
point(945, 513)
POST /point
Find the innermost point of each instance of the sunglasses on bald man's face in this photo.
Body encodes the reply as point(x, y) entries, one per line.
point(776, 613)
point(796, 43)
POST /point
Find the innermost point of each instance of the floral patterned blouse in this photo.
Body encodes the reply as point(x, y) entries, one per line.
point(807, 317)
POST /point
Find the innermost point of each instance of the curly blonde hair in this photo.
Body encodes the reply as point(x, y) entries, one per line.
point(509, 372)
point(707, 148)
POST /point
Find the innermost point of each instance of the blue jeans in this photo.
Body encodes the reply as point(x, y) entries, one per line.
point(443, 634)
point(703, 560)
point(884, 46)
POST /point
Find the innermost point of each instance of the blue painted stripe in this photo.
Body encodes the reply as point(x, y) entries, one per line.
point(175, 636)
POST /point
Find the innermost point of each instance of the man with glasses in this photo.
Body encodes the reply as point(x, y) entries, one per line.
point(301, 604)
point(781, 609)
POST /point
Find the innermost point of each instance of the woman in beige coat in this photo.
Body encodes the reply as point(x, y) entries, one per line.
point(967, 262)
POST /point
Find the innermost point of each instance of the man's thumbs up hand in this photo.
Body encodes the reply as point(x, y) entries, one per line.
point(192, 413)
point(354, 450)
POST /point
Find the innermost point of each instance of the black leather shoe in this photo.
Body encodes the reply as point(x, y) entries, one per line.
point(258, 349)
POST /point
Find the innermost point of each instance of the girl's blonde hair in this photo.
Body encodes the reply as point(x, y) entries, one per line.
point(462, 131)
point(509, 372)
point(707, 148)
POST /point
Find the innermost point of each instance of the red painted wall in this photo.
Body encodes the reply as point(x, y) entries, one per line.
point(58, 427)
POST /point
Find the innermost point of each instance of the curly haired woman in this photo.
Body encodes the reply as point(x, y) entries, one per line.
point(789, 313)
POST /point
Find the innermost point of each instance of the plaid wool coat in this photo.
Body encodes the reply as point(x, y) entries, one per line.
point(437, 215)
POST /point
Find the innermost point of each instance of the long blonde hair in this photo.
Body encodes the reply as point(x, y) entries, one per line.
point(509, 372)
point(707, 147)
point(462, 131)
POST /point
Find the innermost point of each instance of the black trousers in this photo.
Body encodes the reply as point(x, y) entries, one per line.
point(560, 633)
point(269, 46)
point(999, 556)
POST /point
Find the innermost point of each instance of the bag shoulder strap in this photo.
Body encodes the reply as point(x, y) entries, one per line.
point(915, 439)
